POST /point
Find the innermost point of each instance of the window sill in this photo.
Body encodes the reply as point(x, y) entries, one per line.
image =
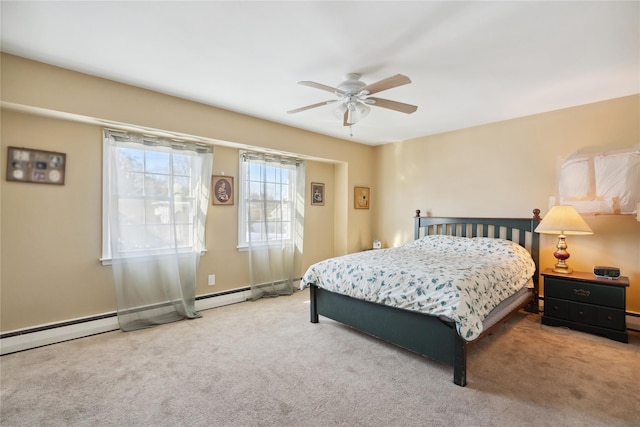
point(109, 261)
point(246, 247)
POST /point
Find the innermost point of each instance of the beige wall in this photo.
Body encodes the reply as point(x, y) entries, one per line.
point(51, 235)
point(507, 169)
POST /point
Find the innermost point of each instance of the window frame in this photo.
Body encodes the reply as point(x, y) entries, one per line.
point(107, 163)
point(243, 198)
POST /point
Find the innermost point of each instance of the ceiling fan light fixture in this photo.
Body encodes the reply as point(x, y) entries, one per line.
point(362, 110)
point(339, 111)
point(353, 115)
point(356, 112)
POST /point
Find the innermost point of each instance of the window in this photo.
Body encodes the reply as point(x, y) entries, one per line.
point(152, 193)
point(268, 188)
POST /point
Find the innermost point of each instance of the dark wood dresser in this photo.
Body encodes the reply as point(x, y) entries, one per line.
point(586, 303)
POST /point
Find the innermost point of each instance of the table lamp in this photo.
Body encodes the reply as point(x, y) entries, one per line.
point(562, 220)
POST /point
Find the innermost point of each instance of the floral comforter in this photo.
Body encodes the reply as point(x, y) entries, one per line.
point(458, 278)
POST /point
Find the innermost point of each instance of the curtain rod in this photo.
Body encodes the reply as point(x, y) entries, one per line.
point(154, 140)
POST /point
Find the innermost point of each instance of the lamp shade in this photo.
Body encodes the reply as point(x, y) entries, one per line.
point(563, 219)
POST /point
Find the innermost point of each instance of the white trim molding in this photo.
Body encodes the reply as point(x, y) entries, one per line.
point(25, 339)
point(20, 340)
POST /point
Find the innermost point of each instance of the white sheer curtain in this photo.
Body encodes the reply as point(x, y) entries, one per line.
point(274, 209)
point(158, 195)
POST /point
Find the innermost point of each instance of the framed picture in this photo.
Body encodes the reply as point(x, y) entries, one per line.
point(38, 166)
point(361, 198)
point(317, 194)
point(222, 189)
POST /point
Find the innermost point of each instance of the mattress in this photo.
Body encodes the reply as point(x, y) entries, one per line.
point(455, 278)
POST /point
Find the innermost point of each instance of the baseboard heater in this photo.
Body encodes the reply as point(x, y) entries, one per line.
point(25, 339)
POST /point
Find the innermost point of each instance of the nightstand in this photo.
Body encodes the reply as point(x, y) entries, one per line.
point(586, 303)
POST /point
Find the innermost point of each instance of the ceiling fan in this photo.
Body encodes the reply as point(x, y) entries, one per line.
point(354, 97)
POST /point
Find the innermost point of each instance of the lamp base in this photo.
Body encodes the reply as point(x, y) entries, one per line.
point(562, 269)
point(562, 255)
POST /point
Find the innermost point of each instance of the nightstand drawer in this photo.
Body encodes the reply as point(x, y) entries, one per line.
point(556, 308)
point(610, 318)
point(586, 303)
point(583, 313)
point(590, 293)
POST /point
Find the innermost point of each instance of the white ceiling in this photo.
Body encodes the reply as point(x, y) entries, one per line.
point(470, 62)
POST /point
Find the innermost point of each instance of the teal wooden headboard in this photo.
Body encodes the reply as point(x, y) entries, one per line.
point(518, 230)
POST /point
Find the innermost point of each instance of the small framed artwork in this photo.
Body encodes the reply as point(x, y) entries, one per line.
point(222, 189)
point(361, 198)
point(317, 194)
point(38, 166)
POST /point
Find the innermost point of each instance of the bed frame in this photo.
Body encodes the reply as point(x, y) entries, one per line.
point(403, 328)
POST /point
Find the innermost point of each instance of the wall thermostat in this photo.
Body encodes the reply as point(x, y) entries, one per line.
point(604, 272)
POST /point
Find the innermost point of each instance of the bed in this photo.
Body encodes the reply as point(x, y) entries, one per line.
point(410, 319)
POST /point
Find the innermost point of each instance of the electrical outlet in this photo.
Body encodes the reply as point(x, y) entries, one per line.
point(212, 279)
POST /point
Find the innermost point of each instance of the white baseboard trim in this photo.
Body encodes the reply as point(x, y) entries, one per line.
point(224, 299)
point(51, 334)
point(633, 322)
point(55, 334)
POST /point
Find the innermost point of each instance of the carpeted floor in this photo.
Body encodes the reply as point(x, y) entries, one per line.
point(264, 364)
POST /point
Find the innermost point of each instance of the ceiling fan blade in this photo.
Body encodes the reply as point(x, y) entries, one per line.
point(388, 83)
point(308, 107)
point(321, 87)
point(394, 105)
